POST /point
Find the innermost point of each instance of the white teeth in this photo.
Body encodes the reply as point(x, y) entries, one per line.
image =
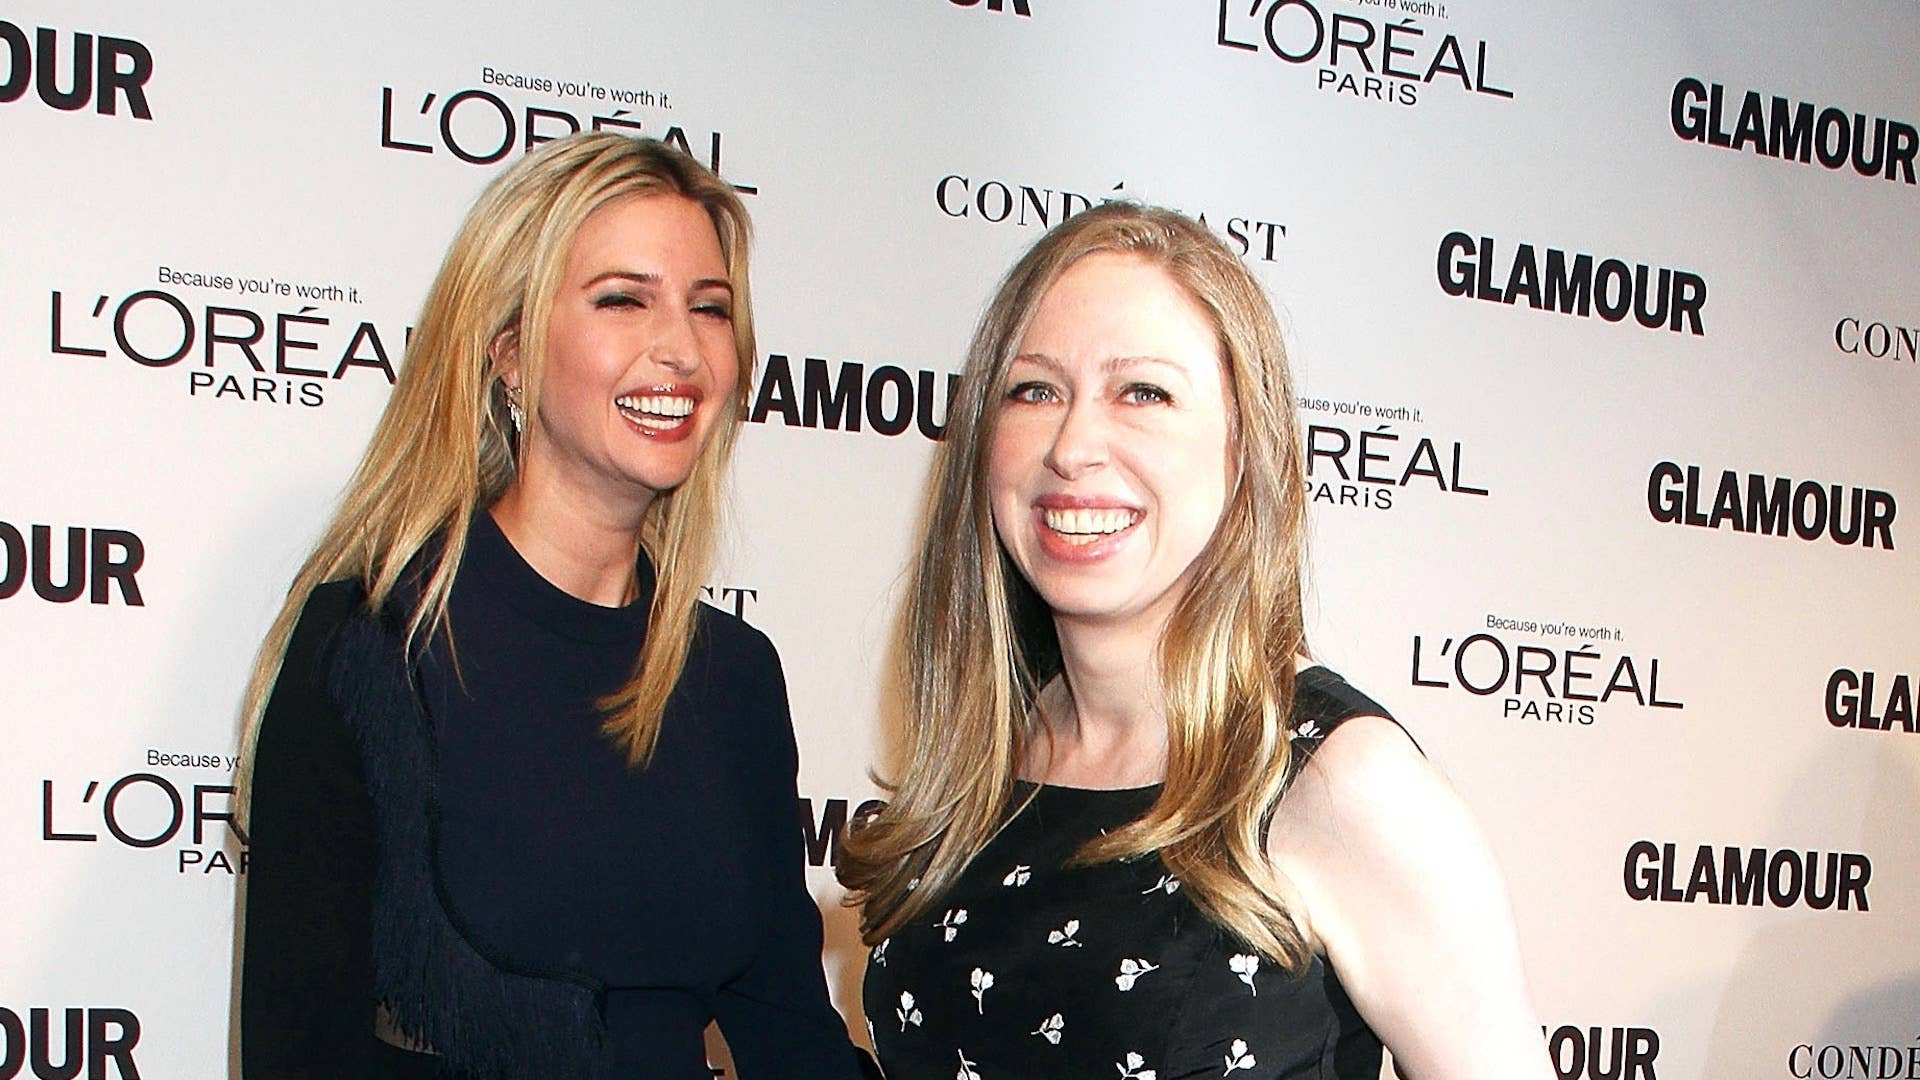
point(1090, 522)
point(667, 406)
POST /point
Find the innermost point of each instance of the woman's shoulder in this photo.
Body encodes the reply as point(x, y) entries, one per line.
point(729, 637)
point(1357, 772)
point(1324, 702)
point(301, 727)
point(1345, 740)
point(733, 674)
point(1367, 760)
point(733, 664)
point(325, 613)
point(332, 603)
point(1364, 793)
point(1322, 693)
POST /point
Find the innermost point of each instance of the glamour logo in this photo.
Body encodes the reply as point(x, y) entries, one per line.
point(1373, 465)
point(827, 828)
point(479, 127)
point(145, 811)
point(1539, 682)
point(1773, 505)
point(1854, 702)
point(1018, 7)
point(1854, 1062)
point(1752, 877)
point(840, 396)
point(103, 557)
point(1801, 131)
point(1656, 297)
point(117, 70)
point(999, 202)
point(1880, 340)
point(268, 357)
point(1353, 55)
point(1597, 1053)
point(87, 1038)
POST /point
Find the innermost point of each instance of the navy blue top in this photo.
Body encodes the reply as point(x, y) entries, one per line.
point(675, 890)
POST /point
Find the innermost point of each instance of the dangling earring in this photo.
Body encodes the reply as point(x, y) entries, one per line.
point(513, 407)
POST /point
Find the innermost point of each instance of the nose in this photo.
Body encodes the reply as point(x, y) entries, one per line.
point(675, 345)
point(1080, 443)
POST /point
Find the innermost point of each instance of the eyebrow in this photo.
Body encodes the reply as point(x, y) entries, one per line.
point(647, 277)
point(1110, 365)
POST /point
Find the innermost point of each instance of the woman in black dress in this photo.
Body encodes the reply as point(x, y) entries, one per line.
point(520, 806)
point(1137, 834)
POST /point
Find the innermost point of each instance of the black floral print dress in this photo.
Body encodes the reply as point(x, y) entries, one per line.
point(1030, 969)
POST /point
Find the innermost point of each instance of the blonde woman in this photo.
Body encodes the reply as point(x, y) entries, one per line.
point(520, 806)
point(1136, 833)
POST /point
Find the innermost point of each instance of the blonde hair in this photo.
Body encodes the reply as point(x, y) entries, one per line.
point(444, 448)
point(980, 643)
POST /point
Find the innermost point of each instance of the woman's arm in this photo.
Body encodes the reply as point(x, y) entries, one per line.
point(1409, 906)
point(306, 997)
point(776, 1016)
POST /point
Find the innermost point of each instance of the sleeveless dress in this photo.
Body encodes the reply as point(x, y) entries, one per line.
point(1031, 969)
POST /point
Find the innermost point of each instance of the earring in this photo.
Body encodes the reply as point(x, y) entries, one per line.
point(513, 407)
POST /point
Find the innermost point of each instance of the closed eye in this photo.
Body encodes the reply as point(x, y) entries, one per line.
point(619, 300)
point(715, 310)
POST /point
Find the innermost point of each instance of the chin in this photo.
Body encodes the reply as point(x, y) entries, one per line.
point(662, 472)
point(663, 484)
point(1082, 603)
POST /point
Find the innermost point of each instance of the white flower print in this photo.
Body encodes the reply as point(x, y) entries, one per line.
point(1050, 1028)
point(1167, 884)
point(1017, 877)
point(949, 923)
point(966, 1068)
point(1131, 970)
point(879, 956)
point(1063, 937)
point(1244, 965)
point(982, 981)
point(1308, 729)
point(1238, 1058)
point(906, 1012)
point(1132, 1070)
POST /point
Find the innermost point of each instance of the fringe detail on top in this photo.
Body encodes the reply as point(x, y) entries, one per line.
point(483, 1021)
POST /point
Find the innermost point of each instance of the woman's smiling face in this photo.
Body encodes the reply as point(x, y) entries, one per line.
point(1108, 467)
point(641, 361)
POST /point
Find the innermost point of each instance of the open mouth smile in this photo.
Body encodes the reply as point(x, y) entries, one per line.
point(665, 413)
point(1080, 527)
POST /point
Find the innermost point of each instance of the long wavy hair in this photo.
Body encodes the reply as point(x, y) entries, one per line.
point(444, 447)
point(980, 642)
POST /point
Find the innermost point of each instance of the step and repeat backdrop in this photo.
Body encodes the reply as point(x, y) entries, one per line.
point(1605, 318)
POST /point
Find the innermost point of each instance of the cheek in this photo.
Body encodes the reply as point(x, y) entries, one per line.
point(1196, 480)
point(1006, 475)
point(1009, 460)
point(564, 378)
point(1019, 444)
point(720, 353)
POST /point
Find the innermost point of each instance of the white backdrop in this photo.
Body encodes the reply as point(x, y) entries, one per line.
point(285, 181)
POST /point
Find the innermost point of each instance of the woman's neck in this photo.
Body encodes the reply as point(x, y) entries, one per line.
point(583, 550)
point(1107, 713)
